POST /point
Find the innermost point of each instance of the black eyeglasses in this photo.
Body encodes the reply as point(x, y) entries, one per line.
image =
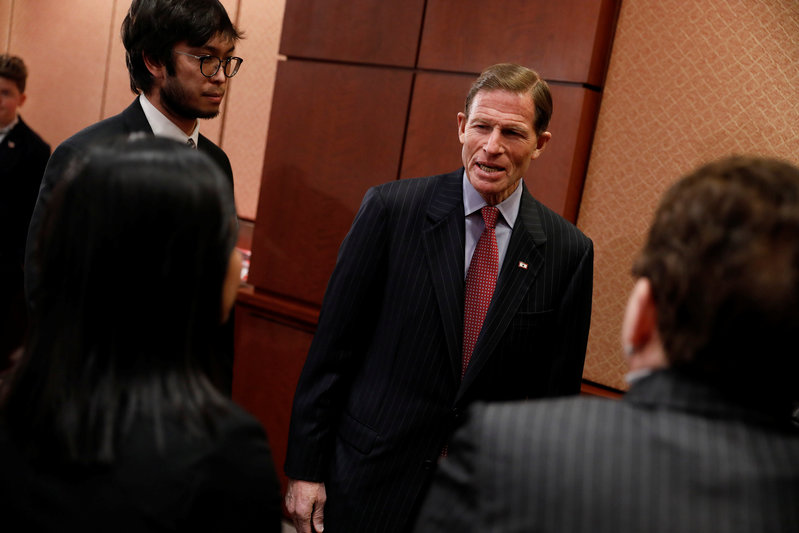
point(209, 65)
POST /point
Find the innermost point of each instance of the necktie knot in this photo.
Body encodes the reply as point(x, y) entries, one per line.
point(490, 214)
point(190, 143)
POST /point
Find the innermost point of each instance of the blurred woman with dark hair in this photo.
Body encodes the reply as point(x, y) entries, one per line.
point(111, 418)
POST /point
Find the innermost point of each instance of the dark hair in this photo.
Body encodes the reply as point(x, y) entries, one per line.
point(722, 257)
point(13, 68)
point(152, 27)
point(516, 79)
point(134, 252)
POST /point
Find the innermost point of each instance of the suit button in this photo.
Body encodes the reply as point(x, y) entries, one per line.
point(457, 414)
point(427, 464)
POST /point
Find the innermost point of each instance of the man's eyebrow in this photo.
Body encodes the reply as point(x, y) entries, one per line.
point(213, 50)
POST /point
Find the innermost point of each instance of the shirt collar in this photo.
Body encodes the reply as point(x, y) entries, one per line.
point(163, 127)
point(509, 207)
point(10, 126)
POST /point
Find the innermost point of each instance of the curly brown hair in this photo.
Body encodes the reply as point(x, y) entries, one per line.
point(722, 257)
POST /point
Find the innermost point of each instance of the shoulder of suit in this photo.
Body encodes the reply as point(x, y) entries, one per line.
point(420, 184)
point(207, 145)
point(407, 193)
point(542, 413)
point(552, 222)
point(216, 153)
point(106, 130)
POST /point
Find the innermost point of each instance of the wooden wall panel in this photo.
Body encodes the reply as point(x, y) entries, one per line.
point(555, 178)
point(431, 145)
point(364, 31)
point(264, 380)
point(568, 40)
point(335, 131)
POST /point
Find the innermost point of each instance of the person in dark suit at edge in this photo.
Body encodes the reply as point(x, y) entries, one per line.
point(180, 55)
point(23, 156)
point(704, 440)
point(429, 309)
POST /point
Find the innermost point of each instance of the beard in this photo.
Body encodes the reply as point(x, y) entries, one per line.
point(174, 98)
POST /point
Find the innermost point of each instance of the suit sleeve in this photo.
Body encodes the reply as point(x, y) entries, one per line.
point(346, 323)
point(572, 321)
point(454, 502)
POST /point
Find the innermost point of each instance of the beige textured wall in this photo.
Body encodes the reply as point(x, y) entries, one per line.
point(78, 75)
point(688, 82)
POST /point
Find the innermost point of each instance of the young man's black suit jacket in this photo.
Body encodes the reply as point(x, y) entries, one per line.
point(673, 455)
point(381, 388)
point(131, 120)
point(23, 157)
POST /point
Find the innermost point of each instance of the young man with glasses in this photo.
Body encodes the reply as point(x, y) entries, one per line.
point(180, 55)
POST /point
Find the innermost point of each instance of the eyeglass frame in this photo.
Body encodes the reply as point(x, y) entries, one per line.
point(205, 58)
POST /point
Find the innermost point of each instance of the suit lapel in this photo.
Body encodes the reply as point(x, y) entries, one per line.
point(135, 119)
point(444, 243)
point(522, 264)
point(11, 149)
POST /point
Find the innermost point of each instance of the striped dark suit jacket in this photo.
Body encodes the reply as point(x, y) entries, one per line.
point(381, 391)
point(672, 456)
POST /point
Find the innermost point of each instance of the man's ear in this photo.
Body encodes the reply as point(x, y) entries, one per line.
point(541, 143)
point(462, 127)
point(156, 67)
point(639, 333)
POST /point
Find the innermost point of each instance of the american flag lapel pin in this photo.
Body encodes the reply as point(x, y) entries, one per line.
point(522, 265)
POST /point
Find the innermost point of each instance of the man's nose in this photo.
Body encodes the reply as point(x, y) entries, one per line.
point(493, 144)
point(219, 77)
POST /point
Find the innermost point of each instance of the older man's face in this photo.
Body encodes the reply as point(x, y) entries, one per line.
point(499, 142)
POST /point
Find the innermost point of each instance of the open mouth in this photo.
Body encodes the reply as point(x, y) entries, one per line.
point(489, 168)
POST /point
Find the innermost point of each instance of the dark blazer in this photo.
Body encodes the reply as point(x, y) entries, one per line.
point(381, 390)
point(673, 455)
point(225, 483)
point(131, 120)
point(23, 157)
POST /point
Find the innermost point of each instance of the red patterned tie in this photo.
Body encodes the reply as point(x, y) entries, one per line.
point(480, 281)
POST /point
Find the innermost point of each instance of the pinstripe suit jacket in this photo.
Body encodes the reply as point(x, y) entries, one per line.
point(381, 390)
point(672, 456)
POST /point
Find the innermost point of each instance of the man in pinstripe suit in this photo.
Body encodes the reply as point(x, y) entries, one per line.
point(703, 441)
point(382, 387)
